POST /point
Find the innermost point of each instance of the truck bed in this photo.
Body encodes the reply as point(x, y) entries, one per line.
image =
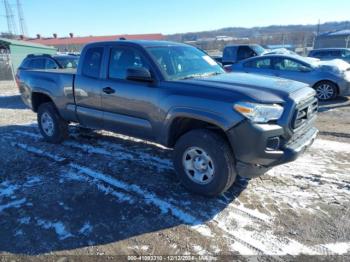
point(56, 83)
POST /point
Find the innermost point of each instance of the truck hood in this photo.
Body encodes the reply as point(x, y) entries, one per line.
point(260, 88)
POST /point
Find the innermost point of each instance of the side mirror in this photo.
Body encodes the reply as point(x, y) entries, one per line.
point(140, 74)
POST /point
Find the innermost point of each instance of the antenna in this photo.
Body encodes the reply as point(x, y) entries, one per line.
point(22, 23)
point(11, 25)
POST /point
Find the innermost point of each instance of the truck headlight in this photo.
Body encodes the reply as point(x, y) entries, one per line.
point(259, 113)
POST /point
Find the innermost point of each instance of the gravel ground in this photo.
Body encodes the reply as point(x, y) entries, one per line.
point(103, 194)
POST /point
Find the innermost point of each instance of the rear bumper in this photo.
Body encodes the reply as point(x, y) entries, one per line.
point(259, 147)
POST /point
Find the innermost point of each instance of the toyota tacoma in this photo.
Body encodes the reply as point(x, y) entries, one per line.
point(219, 125)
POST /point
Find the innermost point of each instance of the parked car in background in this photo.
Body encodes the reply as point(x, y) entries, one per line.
point(220, 125)
point(284, 51)
point(331, 53)
point(329, 79)
point(45, 61)
point(235, 53)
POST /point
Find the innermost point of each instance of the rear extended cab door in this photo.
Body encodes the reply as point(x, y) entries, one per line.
point(87, 86)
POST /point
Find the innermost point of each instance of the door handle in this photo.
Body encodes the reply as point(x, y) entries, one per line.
point(108, 90)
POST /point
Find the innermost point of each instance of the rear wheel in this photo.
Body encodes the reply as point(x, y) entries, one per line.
point(204, 162)
point(52, 127)
point(326, 90)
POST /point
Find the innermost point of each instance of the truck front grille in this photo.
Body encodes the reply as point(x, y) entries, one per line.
point(304, 113)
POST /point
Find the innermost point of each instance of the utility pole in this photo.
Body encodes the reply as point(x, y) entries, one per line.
point(22, 23)
point(318, 27)
point(11, 25)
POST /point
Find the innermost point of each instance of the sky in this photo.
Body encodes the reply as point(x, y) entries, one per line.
point(108, 17)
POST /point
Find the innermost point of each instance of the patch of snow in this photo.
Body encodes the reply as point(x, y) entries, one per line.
point(149, 198)
point(121, 196)
point(38, 151)
point(72, 176)
point(339, 248)
point(8, 190)
point(329, 145)
point(258, 241)
point(216, 249)
point(30, 134)
point(203, 230)
point(13, 204)
point(86, 229)
point(144, 157)
point(24, 220)
point(32, 180)
point(18, 233)
point(98, 150)
point(199, 250)
point(174, 246)
point(59, 228)
point(124, 155)
point(242, 249)
point(254, 213)
point(144, 248)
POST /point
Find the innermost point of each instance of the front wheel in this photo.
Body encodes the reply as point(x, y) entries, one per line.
point(204, 162)
point(52, 127)
point(326, 90)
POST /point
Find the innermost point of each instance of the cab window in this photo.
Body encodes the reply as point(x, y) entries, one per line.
point(245, 52)
point(38, 63)
point(50, 64)
point(92, 62)
point(122, 58)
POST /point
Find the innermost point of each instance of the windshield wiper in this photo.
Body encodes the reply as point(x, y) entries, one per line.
point(200, 75)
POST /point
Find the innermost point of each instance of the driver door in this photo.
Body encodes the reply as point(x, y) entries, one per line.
point(291, 69)
point(128, 106)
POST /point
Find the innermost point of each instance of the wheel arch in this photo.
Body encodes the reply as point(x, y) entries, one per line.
point(183, 124)
point(39, 98)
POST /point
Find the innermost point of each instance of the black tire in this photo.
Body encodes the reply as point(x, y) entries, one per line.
point(321, 90)
point(218, 149)
point(60, 127)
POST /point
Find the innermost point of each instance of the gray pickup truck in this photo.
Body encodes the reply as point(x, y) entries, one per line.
point(220, 125)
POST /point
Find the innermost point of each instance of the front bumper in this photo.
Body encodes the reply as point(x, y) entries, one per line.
point(254, 152)
point(344, 88)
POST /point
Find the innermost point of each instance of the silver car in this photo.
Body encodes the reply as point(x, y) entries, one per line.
point(331, 53)
point(328, 78)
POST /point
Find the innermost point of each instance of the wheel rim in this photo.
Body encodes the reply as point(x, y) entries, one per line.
point(325, 91)
point(47, 124)
point(198, 165)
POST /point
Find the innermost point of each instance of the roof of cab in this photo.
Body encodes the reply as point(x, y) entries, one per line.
point(142, 43)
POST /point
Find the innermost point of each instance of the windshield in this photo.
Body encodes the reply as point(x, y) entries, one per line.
point(68, 61)
point(259, 50)
point(184, 62)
